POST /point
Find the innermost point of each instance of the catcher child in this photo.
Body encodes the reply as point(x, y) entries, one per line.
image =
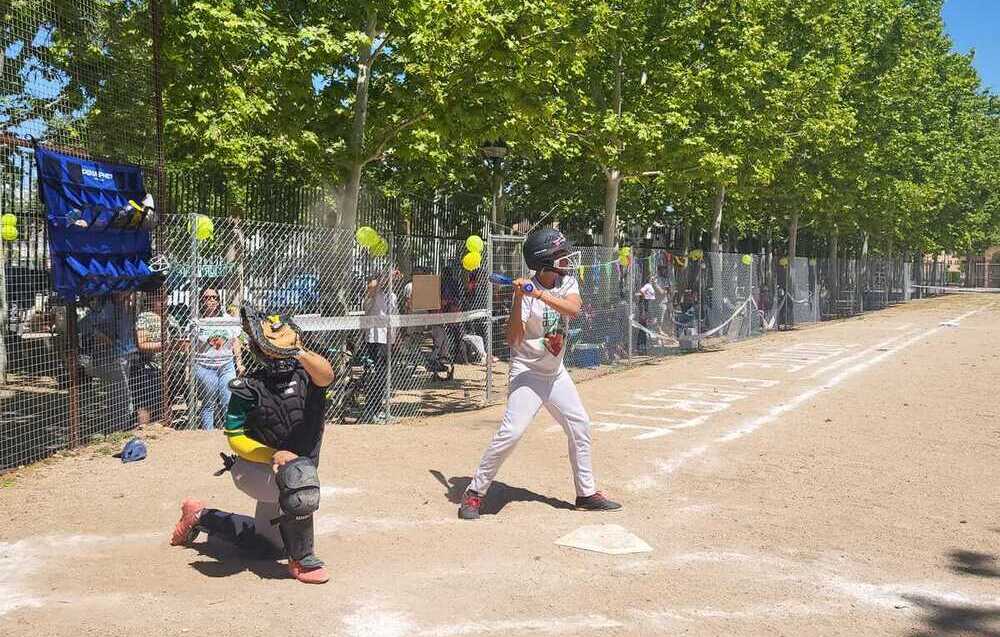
point(274, 424)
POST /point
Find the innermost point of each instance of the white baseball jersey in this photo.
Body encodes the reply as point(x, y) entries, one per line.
point(544, 345)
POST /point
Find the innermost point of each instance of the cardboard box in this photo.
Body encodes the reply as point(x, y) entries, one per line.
point(426, 292)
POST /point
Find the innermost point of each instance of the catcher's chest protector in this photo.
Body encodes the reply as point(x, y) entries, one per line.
point(279, 409)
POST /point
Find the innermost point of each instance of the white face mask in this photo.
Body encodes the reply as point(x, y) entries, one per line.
point(570, 262)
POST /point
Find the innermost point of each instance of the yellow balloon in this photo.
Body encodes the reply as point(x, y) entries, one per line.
point(697, 254)
point(475, 244)
point(203, 228)
point(9, 233)
point(747, 259)
point(9, 219)
point(367, 236)
point(472, 260)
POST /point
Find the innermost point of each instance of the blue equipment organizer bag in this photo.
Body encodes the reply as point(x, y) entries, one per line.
point(99, 242)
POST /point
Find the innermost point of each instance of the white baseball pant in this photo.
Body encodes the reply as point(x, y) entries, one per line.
point(257, 480)
point(528, 393)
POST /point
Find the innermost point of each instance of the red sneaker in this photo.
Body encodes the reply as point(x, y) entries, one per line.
point(471, 502)
point(315, 575)
point(186, 529)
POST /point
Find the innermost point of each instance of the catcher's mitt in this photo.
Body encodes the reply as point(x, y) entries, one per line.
point(274, 336)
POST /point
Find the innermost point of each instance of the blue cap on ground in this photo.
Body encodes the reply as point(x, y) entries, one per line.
point(133, 450)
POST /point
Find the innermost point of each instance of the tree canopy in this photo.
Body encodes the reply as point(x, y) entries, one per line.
point(735, 119)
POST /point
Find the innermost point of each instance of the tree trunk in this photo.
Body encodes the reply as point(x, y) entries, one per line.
point(613, 183)
point(793, 232)
point(498, 198)
point(347, 198)
point(720, 199)
point(834, 277)
point(793, 292)
point(348, 194)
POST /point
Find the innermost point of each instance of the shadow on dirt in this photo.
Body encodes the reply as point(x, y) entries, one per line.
point(974, 563)
point(230, 560)
point(956, 619)
point(499, 495)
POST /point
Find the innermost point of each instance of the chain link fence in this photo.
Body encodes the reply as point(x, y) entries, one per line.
point(392, 359)
point(73, 374)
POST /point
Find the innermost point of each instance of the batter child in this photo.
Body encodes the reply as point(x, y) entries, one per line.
point(537, 374)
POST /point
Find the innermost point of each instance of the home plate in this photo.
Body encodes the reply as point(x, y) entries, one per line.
point(949, 323)
point(605, 538)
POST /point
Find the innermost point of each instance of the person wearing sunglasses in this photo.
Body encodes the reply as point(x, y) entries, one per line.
point(217, 359)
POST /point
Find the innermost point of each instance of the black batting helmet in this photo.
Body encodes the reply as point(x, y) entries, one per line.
point(549, 249)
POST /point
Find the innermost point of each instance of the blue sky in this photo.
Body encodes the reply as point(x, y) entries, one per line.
point(975, 24)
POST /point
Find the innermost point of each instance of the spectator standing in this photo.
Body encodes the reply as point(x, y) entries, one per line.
point(217, 359)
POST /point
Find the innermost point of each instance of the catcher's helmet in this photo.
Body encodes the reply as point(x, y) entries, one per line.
point(273, 340)
point(549, 249)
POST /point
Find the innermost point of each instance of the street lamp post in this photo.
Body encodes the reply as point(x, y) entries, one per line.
point(494, 152)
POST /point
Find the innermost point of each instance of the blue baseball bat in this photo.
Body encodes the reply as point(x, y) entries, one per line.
point(503, 279)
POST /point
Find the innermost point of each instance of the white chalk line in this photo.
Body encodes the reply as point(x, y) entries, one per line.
point(22, 559)
point(795, 358)
point(327, 524)
point(374, 619)
point(638, 417)
point(571, 625)
point(865, 352)
point(757, 383)
point(755, 424)
point(749, 427)
point(824, 576)
point(835, 593)
point(648, 432)
point(703, 398)
point(329, 491)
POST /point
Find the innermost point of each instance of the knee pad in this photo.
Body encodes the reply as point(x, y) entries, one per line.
point(298, 487)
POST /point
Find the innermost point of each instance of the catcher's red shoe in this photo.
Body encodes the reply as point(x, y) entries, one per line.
point(315, 575)
point(186, 529)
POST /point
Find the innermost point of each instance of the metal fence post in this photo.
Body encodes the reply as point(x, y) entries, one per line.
point(701, 295)
point(195, 302)
point(815, 290)
point(489, 319)
point(630, 290)
point(390, 333)
point(73, 366)
point(749, 302)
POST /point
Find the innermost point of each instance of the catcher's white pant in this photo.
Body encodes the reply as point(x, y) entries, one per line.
point(528, 392)
point(257, 480)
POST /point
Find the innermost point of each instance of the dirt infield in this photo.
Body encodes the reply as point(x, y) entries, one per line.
point(836, 480)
